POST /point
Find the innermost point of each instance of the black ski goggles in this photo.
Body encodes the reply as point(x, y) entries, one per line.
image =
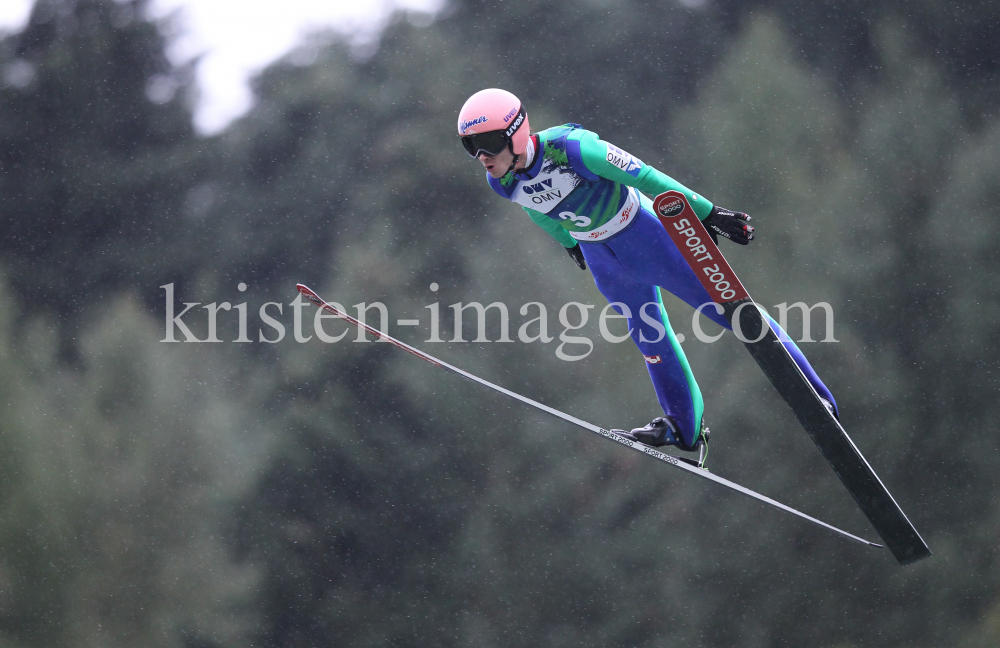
point(491, 143)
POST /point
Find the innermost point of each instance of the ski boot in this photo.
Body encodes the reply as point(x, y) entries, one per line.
point(659, 432)
point(663, 431)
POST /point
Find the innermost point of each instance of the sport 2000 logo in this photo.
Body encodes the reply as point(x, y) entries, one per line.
point(671, 208)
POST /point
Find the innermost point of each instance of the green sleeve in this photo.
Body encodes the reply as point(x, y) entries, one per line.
point(552, 226)
point(648, 180)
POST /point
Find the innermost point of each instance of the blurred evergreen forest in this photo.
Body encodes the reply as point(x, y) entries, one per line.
point(304, 495)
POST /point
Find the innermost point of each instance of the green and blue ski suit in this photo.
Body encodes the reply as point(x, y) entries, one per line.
point(582, 190)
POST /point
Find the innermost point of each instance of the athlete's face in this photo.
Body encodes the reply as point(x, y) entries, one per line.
point(496, 165)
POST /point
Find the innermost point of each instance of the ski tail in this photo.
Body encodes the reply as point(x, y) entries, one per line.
point(871, 495)
point(607, 434)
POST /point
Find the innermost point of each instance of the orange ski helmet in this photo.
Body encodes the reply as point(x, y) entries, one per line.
point(492, 120)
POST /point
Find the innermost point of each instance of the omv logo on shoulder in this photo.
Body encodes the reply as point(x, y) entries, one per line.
point(624, 161)
point(469, 123)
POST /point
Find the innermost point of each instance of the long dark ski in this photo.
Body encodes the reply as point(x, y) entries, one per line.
point(725, 289)
point(676, 462)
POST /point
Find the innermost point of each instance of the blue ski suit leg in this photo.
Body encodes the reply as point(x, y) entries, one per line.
point(627, 269)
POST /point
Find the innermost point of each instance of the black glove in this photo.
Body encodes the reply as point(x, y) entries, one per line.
point(729, 224)
point(577, 255)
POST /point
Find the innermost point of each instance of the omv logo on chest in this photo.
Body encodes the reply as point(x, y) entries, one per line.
point(538, 187)
point(542, 191)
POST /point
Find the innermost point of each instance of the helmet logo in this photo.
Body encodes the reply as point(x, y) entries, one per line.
point(512, 112)
point(469, 123)
point(517, 124)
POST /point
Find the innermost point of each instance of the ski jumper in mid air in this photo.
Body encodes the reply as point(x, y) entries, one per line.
point(589, 196)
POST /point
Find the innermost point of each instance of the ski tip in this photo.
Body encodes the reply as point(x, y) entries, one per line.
point(309, 294)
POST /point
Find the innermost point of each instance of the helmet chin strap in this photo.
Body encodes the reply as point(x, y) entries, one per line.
point(513, 162)
point(529, 153)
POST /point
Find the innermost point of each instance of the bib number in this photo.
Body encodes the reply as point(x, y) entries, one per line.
point(579, 221)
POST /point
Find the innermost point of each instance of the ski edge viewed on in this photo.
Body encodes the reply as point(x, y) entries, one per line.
point(607, 434)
